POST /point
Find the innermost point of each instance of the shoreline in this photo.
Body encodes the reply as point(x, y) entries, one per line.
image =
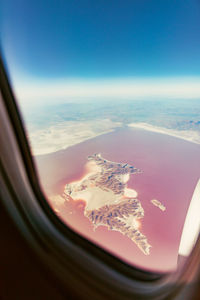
point(63, 148)
point(187, 135)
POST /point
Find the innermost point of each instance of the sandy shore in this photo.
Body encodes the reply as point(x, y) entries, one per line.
point(68, 133)
point(188, 135)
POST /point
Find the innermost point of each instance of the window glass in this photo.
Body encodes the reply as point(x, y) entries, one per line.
point(110, 95)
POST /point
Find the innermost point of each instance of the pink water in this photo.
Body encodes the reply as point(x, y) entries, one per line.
point(171, 169)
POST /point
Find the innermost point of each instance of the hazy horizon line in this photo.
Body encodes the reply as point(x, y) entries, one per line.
point(128, 88)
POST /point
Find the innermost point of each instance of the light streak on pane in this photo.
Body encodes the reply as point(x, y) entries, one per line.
point(192, 224)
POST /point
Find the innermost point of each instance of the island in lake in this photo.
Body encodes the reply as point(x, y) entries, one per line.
point(92, 208)
point(108, 200)
point(158, 204)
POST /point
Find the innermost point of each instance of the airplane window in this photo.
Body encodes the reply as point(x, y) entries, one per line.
point(110, 96)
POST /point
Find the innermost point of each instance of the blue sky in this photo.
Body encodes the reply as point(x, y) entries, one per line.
point(101, 40)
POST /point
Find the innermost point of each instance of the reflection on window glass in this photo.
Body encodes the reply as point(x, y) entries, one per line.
point(110, 94)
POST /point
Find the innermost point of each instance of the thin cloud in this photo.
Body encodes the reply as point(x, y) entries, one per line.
point(183, 88)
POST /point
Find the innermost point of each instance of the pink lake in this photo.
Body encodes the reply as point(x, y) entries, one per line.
point(171, 169)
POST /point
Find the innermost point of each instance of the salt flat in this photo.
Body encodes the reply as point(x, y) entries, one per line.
point(68, 133)
point(188, 135)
